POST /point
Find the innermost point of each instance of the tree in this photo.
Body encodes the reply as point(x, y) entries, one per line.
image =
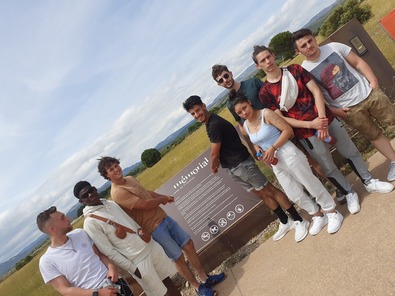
point(260, 74)
point(282, 46)
point(195, 126)
point(23, 262)
point(343, 14)
point(150, 157)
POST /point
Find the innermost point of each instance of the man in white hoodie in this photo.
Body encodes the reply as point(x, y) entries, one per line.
point(146, 262)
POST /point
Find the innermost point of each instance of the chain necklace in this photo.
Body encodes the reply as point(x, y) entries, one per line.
point(66, 249)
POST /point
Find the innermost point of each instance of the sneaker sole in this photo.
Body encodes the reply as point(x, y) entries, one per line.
point(354, 212)
point(283, 234)
point(313, 234)
point(379, 191)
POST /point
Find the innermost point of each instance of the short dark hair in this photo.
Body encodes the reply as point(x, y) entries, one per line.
point(257, 50)
point(104, 163)
point(300, 34)
point(79, 186)
point(217, 69)
point(43, 218)
point(192, 101)
point(236, 97)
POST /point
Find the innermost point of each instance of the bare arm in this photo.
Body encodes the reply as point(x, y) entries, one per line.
point(286, 133)
point(247, 138)
point(314, 124)
point(149, 204)
point(339, 112)
point(215, 149)
point(320, 104)
point(358, 63)
point(112, 269)
point(166, 198)
point(62, 285)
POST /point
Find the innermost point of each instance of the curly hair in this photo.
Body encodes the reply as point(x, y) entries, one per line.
point(104, 163)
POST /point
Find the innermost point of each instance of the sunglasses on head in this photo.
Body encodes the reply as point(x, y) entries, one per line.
point(87, 193)
point(221, 80)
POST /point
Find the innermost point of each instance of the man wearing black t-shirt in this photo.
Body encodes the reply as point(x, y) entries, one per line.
point(228, 151)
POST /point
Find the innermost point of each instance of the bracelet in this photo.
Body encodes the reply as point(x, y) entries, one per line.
point(274, 148)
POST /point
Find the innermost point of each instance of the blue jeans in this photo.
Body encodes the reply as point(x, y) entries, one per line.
point(172, 237)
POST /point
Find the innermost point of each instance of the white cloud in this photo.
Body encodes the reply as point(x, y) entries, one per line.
point(90, 78)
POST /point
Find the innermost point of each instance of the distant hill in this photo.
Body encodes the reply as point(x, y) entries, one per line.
point(10, 263)
point(175, 135)
point(72, 213)
point(315, 23)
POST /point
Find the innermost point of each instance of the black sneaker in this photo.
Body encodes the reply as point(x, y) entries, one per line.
point(340, 197)
point(212, 280)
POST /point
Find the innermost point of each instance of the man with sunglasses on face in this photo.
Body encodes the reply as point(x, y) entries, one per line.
point(249, 88)
point(146, 262)
point(72, 264)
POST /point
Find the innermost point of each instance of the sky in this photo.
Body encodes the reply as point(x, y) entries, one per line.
point(80, 79)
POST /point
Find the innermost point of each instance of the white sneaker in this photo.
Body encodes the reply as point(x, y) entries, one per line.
point(391, 173)
point(353, 202)
point(283, 229)
point(335, 221)
point(375, 185)
point(301, 230)
point(318, 222)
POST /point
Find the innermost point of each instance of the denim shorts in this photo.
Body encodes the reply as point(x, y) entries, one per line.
point(248, 175)
point(172, 237)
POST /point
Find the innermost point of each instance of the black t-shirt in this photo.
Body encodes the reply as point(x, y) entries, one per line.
point(250, 88)
point(232, 151)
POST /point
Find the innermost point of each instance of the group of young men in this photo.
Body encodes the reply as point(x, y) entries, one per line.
point(332, 81)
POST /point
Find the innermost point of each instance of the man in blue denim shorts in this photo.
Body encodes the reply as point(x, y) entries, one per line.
point(228, 151)
point(144, 207)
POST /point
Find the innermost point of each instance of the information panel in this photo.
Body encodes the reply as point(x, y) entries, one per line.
point(206, 204)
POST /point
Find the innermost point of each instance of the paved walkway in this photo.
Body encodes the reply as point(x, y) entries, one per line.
point(358, 260)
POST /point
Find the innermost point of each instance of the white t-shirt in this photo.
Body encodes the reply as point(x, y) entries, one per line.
point(341, 84)
point(75, 260)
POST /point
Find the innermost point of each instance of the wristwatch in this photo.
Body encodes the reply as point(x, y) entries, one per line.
point(95, 292)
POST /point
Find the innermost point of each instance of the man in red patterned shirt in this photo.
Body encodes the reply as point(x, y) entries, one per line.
point(292, 93)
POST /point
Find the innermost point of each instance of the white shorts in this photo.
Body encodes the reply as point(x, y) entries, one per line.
point(154, 269)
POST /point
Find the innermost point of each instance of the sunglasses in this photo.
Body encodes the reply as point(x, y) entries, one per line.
point(88, 193)
point(221, 80)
